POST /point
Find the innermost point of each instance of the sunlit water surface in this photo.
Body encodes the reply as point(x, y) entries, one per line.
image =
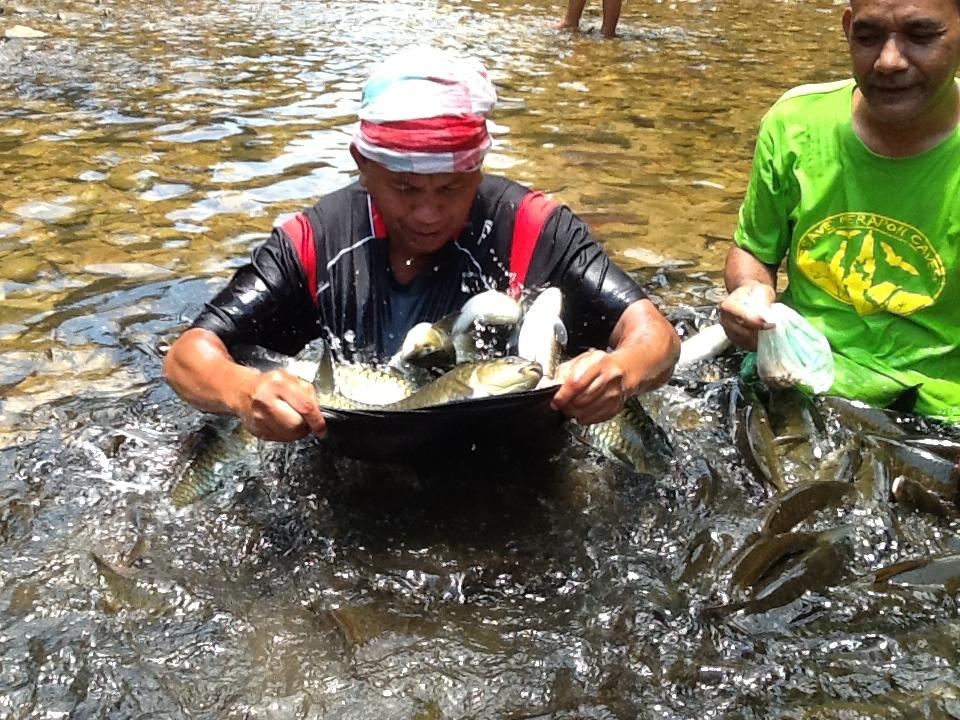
point(146, 148)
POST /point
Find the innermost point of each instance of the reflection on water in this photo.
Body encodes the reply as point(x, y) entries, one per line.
point(145, 145)
point(145, 148)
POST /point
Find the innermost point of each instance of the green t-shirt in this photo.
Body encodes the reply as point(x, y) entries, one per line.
point(871, 244)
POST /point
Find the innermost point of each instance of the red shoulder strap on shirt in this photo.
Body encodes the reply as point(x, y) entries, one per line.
point(376, 222)
point(532, 213)
point(300, 234)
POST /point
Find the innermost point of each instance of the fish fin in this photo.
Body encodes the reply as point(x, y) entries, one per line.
point(140, 548)
point(112, 570)
point(655, 440)
point(884, 574)
point(906, 400)
point(396, 361)
point(446, 322)
point(465, 348)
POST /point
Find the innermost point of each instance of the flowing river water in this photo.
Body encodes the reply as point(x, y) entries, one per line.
point(146, 148)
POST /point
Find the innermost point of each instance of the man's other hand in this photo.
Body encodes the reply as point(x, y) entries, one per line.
point(741, 313)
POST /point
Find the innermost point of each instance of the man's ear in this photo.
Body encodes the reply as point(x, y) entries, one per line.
point(846, 21)
point(361, 162)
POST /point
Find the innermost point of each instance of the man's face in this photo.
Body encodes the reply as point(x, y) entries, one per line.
point(905, 55)
point(422, 212)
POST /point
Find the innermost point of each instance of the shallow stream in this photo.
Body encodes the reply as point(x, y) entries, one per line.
point(146, 148)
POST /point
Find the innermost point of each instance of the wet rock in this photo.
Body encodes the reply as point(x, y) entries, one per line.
point(24, 598)
point(24, 33)
point(23, 268)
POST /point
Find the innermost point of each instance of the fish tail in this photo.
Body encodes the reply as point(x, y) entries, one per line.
point(324, 380)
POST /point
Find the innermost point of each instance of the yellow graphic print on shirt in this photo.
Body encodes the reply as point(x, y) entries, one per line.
point(872, 262)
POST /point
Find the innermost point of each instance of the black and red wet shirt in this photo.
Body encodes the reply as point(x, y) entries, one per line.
point(326, 272)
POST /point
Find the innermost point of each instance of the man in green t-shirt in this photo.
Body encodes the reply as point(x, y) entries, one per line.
point(857, 184)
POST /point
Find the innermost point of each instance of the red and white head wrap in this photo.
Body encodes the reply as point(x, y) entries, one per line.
point(425, 111)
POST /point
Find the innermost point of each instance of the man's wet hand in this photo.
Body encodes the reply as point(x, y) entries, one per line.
point(741, 313)
point(278, 406)
point(593, 388)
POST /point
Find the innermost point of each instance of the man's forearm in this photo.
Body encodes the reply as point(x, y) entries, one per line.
point(202, 372)
point(752, 286)
point(649, 340)
point(743, 268)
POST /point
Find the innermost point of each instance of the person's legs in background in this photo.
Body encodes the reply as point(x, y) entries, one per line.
point(571, 21)
point(611, 15)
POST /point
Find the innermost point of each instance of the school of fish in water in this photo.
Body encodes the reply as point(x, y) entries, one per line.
point(800, 449)
point(817, 472)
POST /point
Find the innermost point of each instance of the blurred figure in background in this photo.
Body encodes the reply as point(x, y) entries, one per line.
point(611, 15)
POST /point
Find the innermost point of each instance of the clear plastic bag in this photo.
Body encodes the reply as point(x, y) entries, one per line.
point(793, 352)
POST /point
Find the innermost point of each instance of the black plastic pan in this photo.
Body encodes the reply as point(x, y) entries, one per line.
point(460, 427)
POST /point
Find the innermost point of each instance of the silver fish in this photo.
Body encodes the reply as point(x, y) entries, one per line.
point(213, 455)
point(543, 335)
point(930, 470)
point(427, 345)
point(755, 440)
point(914, 496)
point(858, 415)
point(705, 345)
point(762, 552)
point(487, 312)
point(630, 437)
point(126, 589)
point(777, 569)
point(460, 336)
point(491, 307)
point(929, 571)
point(815, 569)
point(792, 507)
point(357, 382)
point(466, 381)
